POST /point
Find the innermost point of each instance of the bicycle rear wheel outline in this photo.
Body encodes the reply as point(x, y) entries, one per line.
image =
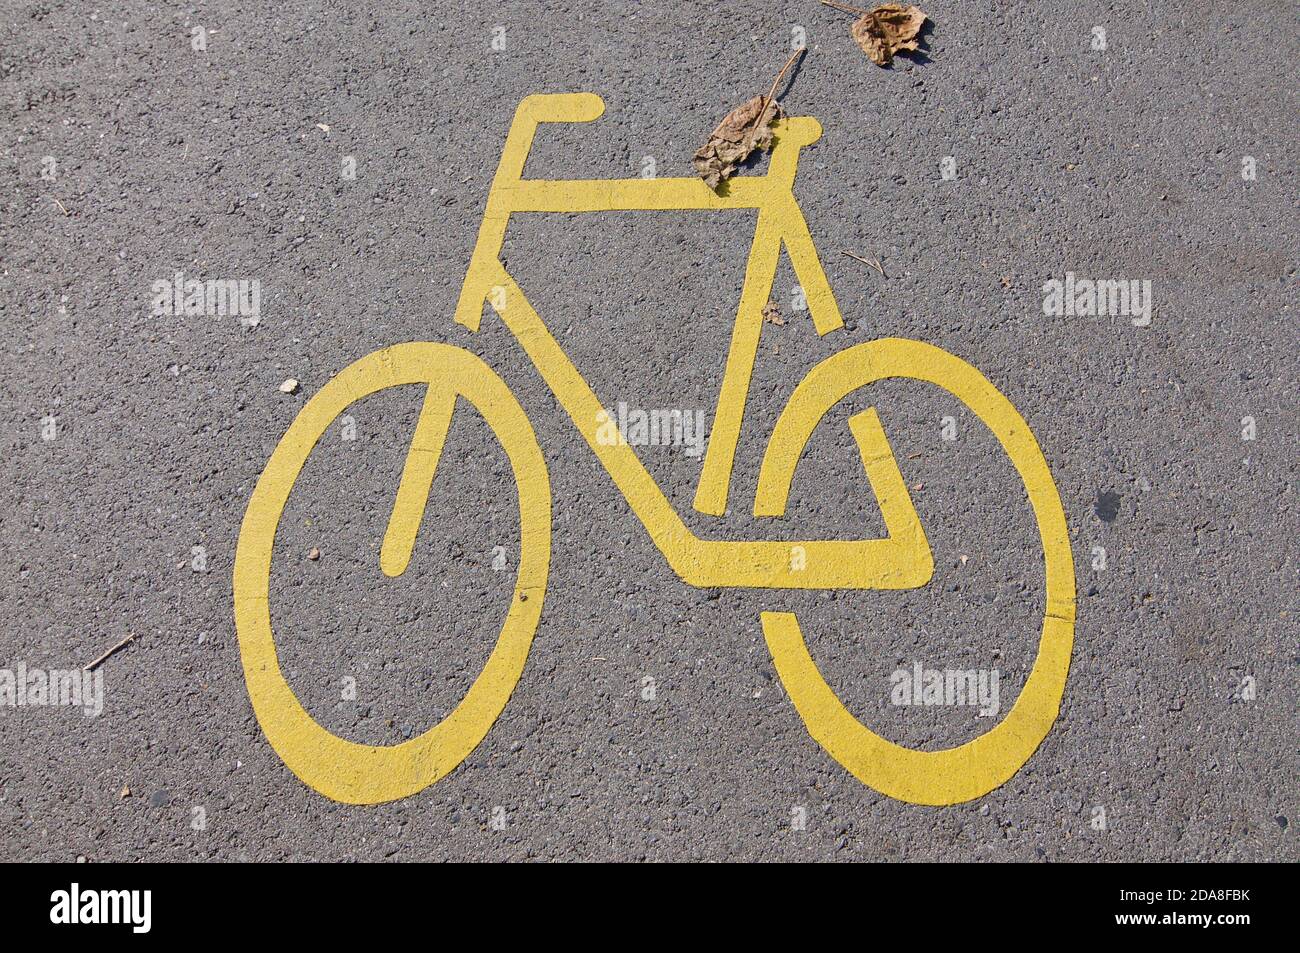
point(973, 769)
point(344, 770)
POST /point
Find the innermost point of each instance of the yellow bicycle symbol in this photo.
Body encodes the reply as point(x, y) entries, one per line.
point(368, 774)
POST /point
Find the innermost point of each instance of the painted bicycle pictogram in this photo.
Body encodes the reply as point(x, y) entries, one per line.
point(365, 774)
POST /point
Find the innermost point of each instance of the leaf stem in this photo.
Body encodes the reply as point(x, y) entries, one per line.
point(788, 63)
point(845, 7)
point(771, 94)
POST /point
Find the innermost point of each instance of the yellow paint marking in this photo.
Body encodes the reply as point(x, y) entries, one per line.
point(923, 777)
point(359, 773)
point(417, 477)
point(368, 774)
point(896, 562)
point(977, 767)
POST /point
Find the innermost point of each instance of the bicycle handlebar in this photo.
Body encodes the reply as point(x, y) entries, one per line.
point(559, 107)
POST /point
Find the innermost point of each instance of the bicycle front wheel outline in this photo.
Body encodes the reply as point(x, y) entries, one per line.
point(971, 770)
point(344, 770)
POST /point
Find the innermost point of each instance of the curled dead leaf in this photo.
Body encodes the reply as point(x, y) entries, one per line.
point(744, 129)
point(888, 29)
point(884, 30)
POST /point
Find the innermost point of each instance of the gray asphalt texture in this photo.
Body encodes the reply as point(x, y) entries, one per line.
point(1122, 163)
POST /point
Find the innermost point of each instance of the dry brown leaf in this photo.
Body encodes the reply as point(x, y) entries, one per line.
point(741, 132)
point(744, 129)
point(772, 314)
point(888, 29)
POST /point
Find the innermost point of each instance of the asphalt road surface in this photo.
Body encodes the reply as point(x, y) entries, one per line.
point(340, 155)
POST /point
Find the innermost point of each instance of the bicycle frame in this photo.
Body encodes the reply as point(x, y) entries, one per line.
point(901, 560)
